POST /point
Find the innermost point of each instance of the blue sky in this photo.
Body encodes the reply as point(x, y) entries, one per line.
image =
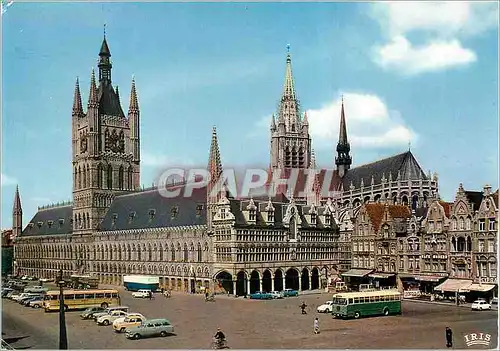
point(424, 73)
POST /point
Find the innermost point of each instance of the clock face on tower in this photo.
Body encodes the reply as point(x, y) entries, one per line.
point(83, 145)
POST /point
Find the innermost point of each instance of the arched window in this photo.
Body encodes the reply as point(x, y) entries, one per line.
point(161, 252)
point(120, 178)
point(79, 177)
point(186, 253)
point(84, 174)
point(172, 249)
point(293, 228)
point(461, 244)
point(199, 253)
point(99, 176)
point(454, 244)
point(130, 178)
point(469, 244)
point(461, 224)
point(110, 177)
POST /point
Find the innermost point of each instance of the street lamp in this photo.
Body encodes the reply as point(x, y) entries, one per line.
point(63, 338)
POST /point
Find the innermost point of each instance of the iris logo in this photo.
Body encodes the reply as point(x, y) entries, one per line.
point(477, 339)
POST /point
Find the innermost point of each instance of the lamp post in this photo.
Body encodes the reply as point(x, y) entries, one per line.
point(63, 339)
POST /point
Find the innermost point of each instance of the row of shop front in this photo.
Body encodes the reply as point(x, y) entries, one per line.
point(421, 285)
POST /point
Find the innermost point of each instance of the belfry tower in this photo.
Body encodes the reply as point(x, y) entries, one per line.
point(290, 139)
point(106, 148)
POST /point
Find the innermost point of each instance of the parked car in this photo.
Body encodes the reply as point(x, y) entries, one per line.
point(6, 291)
point(35, 289)
point(494, 301)
point(27, 301)
point(326, 307)
point(131, 314)
point(142, 293)
point(110, 318)
point(35, 303)
point(277, 294)
point(128, 322)
point(152, 327)
point(290, 292)
point(108, 311)
point(480, 305)
point(260, 295)
point(89, 312)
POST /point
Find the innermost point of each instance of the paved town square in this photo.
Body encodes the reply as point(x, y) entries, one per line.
point(253, 324)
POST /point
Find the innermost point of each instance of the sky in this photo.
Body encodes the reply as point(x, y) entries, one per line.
point(420, 75)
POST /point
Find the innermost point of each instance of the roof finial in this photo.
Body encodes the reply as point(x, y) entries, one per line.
point(342, 96)
point(409, 145)
point(104, 30)
point(287, 48)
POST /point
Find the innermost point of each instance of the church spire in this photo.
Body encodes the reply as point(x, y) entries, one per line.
point(77, 100)
point(17, 215)
point(289, 105)
point(104, 62)
point(343, 159)
point(214, 161)
point(134, 103)
point(288, 86)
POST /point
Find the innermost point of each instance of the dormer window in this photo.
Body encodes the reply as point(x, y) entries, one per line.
point(223, 213)
point(31, 225)
point(199, 210)
point(251, 215)
point(131, 216)
point(174, 212)
point(314, 218)
point(49, 223)
point(328, 220)
point(152, 214)
point(39, 224)
point(270, 216)
point(386, 232)
point(61, 222)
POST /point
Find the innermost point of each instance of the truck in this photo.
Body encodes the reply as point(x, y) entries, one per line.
point(139, 282)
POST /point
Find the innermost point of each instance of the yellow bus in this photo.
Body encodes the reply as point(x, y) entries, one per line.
point(81, 299)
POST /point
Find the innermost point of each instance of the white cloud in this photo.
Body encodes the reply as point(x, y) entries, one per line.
point(369, 123)
point(440, 24)
point(402, 56)
point(8, 181)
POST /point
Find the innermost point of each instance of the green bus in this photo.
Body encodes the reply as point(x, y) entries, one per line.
point(366, 303)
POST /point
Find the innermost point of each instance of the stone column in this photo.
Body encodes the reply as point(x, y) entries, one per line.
point(284, 281)
point(248, 286)
point(234, 287)
point(272, 284)
point(260, 284)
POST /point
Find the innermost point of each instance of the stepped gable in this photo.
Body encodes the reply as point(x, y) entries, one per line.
point(404, 164)
point(149, 209)
point(51, 221)
point(475, 198)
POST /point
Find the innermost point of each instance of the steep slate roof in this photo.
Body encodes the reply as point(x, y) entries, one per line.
point(475, 198)
point(446, 207)
point(376, 213)
point(109, 103)
point(404, 163)
point(141, 203)
point(495, 197)
point(41, 222)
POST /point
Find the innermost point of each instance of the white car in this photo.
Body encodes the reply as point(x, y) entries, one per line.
point(326, 307)
point(480, 305)
point(277, 294)
point(110, 318)
point(132, 314)
point(143, 293)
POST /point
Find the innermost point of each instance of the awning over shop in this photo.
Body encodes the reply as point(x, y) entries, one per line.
point(454, 285)
point(407, 276)
point(429, 278)
point(357, 273)
point(481, 287)
point(380, 275)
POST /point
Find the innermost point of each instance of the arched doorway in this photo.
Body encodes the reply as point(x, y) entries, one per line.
point(278, 280)
point(267, 282)
point(314, 279)
point(224, 282)
point(292, 279)
point(304, 279)
point(254, 282)
point(241, 283)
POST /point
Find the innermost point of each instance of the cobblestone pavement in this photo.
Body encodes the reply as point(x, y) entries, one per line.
point(253, 324)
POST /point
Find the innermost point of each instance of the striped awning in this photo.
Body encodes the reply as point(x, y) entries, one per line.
point(357, 273)
point(481, 287)
point(380, 275)
point(454, 285)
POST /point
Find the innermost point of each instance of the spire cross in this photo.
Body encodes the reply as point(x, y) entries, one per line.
point(287, 48)
point(104, 30)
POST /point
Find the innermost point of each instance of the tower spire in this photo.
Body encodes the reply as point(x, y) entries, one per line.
point(134, 102)
point(214, 161)
point(93, 96)
point(343, 159)
point(17, 215)
point(77, 100)
point(104, 61)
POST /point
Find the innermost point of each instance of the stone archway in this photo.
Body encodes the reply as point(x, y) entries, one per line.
point(254, 282)
point(292, 279)
point(267, 281)
point(304, 279)
point(224, 282)
point(314, 279)
point(278, 280)
point(241, 283)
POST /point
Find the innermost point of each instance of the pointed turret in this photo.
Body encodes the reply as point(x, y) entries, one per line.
point(214, 161)
point(93, 95)
point(104, 62)
point(117, 93)
point(343, 159)
point(17, 215)
point(273, 123)
point(133, 118)
point(77, 100)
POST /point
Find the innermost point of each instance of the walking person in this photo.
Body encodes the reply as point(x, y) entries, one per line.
point(303, 307)
point(316, 325)
point(449, 337)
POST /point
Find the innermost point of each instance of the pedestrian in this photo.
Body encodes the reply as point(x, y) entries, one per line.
point(162, 290)
point(206, 295)
point(303, 307)
point(316, 325)
point(449, 337)
point(150, 295)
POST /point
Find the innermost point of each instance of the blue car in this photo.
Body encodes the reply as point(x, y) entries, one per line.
point(260, 295)
point(290, 292)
